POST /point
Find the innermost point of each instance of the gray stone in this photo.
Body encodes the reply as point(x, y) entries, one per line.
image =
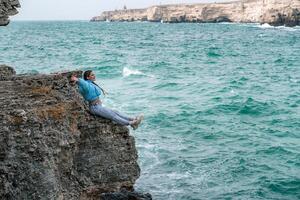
point(125, 195)
point(8, 8)
point(52, 148)
point(6, 72)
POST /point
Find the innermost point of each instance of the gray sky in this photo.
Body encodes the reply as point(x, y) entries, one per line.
point(83, 9)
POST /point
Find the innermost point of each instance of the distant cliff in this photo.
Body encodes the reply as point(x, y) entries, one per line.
point(52, 148)
point(273, 12)
point(7, 8)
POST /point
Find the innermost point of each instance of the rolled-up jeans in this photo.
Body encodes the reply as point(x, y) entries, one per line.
point(113, 115)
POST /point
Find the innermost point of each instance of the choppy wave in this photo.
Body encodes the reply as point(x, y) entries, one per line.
point(253, 107)
point(222, 114)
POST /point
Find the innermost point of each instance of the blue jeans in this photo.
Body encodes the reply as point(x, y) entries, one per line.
point(107, 113)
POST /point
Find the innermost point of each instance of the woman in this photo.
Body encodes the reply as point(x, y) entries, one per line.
point(91, 92)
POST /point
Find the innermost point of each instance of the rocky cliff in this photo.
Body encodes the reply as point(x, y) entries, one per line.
point(274, 12)
point(7, 8)
point(52, 148)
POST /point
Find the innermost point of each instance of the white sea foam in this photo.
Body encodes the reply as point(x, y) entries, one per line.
point(128, 72)
point(227, 23)
point(265, 25)
point(268, 26)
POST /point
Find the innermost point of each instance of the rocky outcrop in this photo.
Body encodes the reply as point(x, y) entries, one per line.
point(273, 12)
point(7, 8)
point(52, 148)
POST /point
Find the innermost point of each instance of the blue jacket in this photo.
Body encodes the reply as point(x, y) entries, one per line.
point(88, 90)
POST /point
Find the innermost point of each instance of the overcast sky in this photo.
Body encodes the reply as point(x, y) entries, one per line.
point(83, 9)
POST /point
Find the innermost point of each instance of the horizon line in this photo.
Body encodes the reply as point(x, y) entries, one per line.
point(11, 20)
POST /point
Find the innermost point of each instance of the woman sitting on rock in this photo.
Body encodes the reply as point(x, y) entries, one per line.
point(91, 92)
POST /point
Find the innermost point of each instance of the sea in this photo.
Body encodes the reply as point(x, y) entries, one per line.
point(221, 101)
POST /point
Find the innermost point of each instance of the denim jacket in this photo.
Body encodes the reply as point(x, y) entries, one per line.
point(88, 90)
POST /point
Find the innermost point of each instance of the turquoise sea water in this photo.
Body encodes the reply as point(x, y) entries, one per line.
point(221, 101)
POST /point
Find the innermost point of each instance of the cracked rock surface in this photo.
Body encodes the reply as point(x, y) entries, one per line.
point(52, 148)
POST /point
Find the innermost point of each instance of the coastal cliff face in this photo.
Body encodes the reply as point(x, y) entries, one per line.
point(7, 8)
point(52, 148)
point(273, 12)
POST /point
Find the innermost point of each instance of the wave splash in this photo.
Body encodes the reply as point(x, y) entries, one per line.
point(268, 26)
point(128, 72)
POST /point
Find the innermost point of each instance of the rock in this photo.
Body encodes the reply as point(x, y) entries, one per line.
point(6, 72)
point(125, 195)
point(274, 12)
point(8, 8)
point(52, 148)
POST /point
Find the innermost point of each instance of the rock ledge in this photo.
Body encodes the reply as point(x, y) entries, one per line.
point(8, 8)
point(52, 148)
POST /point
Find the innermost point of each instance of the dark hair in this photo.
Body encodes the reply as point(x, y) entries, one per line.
point(86, 74)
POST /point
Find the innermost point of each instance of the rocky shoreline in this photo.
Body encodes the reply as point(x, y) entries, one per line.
point(8, 8)
point(273, 12)
point(51, 147)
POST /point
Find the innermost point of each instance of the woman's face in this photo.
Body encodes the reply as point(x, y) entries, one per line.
point(92, 76)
